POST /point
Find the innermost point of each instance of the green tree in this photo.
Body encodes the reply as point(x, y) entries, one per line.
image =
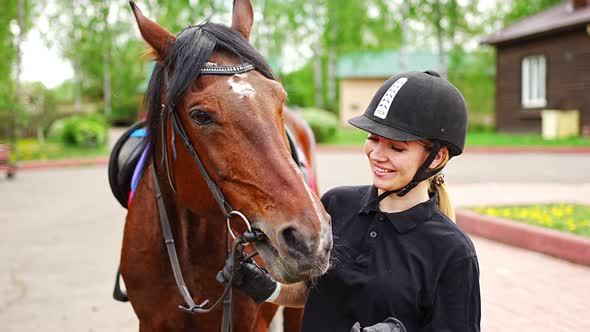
point(101, 41)
point(523, 8)
point(41, 106)
point(446, 21)
point(16, 20)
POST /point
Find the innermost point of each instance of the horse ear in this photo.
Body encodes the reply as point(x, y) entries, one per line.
point(156, 36)
point(243, 17)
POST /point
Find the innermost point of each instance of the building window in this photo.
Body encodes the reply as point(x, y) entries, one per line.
point(534, 71)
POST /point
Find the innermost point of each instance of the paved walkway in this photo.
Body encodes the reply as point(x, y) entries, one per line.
point(62, 235)
point(526, 291)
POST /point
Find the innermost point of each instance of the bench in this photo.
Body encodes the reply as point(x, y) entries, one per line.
point(5, 161)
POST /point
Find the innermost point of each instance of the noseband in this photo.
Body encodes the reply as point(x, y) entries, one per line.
point(234, 249)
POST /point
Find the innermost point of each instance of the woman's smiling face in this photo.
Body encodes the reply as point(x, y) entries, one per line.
point(394, 163)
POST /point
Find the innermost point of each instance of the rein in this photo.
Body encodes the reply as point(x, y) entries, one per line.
point(235, 249)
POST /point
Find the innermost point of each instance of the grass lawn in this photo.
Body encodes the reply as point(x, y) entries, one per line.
point(347, 137)
point(474, 139)
point(496, 139)
point(571, 218)
point(30, 149)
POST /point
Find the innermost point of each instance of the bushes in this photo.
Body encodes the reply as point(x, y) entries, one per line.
point(124, 114)
point(88, 130)
point(30, 149)
point(323, 123)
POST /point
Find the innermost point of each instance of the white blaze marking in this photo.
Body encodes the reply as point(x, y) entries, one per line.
point(241, 87)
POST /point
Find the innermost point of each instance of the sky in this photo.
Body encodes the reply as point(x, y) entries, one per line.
point(40, 63)
point(43, 64)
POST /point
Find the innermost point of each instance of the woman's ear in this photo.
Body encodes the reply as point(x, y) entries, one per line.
point(441, 158)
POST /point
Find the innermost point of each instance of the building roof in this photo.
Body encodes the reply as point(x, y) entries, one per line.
point(383, 64)
point(558, 17)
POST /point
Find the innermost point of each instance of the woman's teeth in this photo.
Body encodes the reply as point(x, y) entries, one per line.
point(383, 170)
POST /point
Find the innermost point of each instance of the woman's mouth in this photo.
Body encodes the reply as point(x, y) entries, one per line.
point(382, 171)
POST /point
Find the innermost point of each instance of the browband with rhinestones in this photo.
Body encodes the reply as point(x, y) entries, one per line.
point(227, 70)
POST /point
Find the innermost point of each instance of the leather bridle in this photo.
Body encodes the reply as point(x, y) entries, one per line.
point(235, 248)
point(177, 128)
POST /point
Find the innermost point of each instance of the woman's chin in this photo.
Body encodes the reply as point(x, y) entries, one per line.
point(383, 185)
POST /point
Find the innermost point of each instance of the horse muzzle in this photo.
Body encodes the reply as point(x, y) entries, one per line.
point(291, 256)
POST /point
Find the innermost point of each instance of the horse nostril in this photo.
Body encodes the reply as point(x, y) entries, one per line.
point(296, 242)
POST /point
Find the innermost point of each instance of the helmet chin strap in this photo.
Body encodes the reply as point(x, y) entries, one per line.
point(421, 174)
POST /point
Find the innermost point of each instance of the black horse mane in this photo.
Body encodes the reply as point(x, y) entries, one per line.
point(191, 50)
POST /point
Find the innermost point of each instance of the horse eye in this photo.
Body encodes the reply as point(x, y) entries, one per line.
point(201, 117)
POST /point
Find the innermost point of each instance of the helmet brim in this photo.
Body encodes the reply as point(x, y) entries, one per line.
point(374, 127)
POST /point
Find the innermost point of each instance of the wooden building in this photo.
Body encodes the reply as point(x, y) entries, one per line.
point(361, 75)
point(543, 62)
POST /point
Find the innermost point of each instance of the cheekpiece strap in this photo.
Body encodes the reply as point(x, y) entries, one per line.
point(423, 172)
point(378, 199)
point(227, 70)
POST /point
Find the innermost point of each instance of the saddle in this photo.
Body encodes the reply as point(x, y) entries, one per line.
point(128, 159)
point(124, 160)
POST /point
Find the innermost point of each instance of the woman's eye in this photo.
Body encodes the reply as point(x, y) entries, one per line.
point(396, 149)
point(201, 117)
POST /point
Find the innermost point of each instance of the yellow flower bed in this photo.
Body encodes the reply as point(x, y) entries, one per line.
point(571, 218)
point(31, 149)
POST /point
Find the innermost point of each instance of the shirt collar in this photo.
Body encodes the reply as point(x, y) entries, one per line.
point(403, 221)
point(368, 196)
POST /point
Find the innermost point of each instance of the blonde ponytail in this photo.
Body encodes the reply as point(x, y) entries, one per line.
point(444, 199)
point(437, 183)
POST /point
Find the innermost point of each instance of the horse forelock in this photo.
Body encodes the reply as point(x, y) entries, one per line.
point(189, 53)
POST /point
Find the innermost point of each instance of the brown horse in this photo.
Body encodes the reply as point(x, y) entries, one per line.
point(216, 123)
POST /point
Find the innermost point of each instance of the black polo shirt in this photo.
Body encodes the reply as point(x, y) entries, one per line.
point(415, 265)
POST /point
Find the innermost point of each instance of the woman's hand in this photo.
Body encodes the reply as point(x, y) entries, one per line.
point(250, 279)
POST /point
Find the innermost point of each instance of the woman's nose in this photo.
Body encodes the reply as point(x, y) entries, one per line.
point(378, 152)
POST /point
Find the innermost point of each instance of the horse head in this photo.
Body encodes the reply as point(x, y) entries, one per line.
point(234, 124)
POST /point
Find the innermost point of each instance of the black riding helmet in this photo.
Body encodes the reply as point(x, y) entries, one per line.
point(413, 106)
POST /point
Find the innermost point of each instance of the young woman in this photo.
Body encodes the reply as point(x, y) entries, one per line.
point(401, 263)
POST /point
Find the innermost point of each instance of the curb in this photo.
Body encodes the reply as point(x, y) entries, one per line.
point(477, 149)
point(573, 248)
point(528, 149)
point(31, 165)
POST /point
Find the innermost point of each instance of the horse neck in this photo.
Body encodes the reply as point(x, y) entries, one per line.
point(196, 226)
point(200, 235)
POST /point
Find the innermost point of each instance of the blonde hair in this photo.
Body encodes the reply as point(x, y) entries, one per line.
point(444, 199)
